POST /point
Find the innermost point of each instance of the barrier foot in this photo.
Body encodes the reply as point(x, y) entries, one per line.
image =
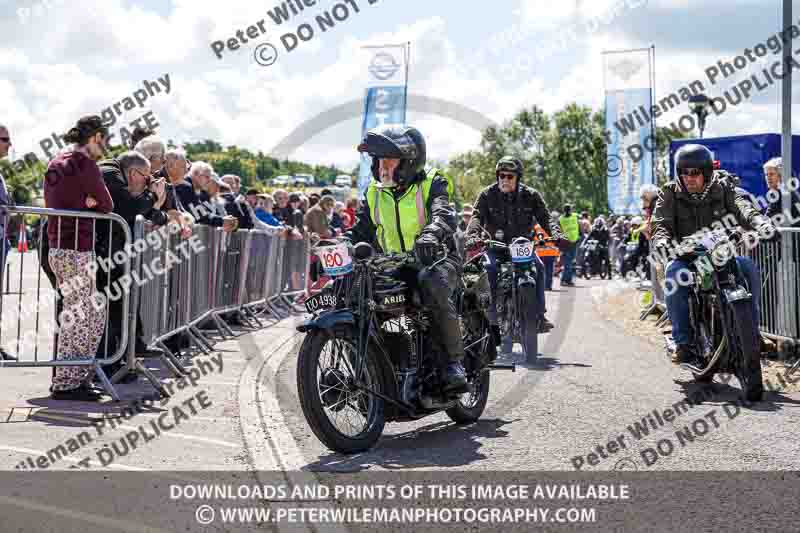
point(221, 324)
point(249, 312)
point(107, 385)
point(647, 312)
point(197, 342)
point(247, 319)
point(273, 310)
point(154, 381)
point(793, 368)
point(202, 338)
point(172, 362)
point(275, 305)
point(662, 319)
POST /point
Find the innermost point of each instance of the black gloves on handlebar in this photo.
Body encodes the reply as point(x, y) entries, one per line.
point(428, 249)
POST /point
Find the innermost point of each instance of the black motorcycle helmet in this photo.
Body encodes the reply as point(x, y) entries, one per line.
point(509, 164)
point(694, 156)
point(396, 142)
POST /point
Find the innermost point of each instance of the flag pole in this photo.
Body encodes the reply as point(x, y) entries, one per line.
point(405, 93)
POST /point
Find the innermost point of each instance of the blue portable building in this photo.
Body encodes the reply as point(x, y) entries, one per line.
point(743, 155)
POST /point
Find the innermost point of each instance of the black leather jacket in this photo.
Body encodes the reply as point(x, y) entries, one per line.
point(515, 214)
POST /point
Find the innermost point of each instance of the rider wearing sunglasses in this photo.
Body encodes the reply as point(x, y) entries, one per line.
point(689, 205)
point(506, 210)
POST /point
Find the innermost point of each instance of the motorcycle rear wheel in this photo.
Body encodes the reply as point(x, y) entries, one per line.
point(324, 395)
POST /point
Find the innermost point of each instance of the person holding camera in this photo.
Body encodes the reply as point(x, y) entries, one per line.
point(134, 191)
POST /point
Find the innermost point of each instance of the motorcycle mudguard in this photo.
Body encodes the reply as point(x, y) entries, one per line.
point(328, 320)
point(526, 290)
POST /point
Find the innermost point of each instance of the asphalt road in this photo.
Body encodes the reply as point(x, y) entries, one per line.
point(594, 385)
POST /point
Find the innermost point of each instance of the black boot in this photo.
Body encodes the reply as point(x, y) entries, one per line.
point(684, 354)
point(496, 338)
point(455, 378)
point(5, 356)
point(81, 394)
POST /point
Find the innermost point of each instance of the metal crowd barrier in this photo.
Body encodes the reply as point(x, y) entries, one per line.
point(38, 319)
point(779, 264)
point(176, 285)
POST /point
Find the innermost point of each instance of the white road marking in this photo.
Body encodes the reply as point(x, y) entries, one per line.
point(110, 523)
point(69, 459)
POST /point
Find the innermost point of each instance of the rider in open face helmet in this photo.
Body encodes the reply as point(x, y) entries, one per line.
point(398, 154)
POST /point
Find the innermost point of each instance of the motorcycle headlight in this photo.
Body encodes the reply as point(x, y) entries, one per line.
point(722, 254)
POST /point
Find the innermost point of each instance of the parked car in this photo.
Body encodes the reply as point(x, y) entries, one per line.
point(282, 181)
point(304, 179)
point(344, 180)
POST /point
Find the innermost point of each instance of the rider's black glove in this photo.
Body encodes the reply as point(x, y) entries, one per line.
point(428, 249)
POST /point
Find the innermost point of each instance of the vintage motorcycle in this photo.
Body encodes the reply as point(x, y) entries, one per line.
point(595, 260)
point(516, 291)
point(369, 357)
point(725, 333)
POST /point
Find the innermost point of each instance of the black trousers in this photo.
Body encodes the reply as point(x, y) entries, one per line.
point(107, 285)
point(436, 287)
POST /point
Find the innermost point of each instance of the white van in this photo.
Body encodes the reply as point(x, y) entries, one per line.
point(344, 180)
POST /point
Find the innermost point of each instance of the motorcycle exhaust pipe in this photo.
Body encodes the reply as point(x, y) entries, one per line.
point(503, 366)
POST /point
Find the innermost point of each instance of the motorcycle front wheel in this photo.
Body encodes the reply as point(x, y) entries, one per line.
point(344, 417)
point(747, 356)
point(528, 323)
point(470, 405)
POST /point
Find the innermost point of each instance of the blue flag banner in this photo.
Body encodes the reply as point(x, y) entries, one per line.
point(630, 165)
point(630, 149)
point(385, 101)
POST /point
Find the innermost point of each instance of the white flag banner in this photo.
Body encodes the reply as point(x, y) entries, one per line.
point(629, 70)
point(387, 66)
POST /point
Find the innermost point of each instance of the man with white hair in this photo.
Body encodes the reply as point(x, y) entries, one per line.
point(201, 175)
point(235, 204)
point(153, 149)
point(778, 189)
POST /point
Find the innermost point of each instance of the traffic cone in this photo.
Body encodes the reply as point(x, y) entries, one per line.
point(22, 242)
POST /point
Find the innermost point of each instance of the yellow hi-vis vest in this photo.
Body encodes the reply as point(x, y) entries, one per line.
point(411, 210)
point(635, 235)
point(570, 227)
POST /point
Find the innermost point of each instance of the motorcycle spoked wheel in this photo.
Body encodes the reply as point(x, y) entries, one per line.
point(506, 323)
point(605, 270)
point(344, 418)
point(470, 405)
point(528, 324)
point(746, 356)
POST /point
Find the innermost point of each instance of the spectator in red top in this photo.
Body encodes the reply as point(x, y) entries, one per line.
point(350, 211)
point(73, 181)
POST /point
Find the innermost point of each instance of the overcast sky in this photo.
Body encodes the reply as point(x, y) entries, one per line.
point(493, 57)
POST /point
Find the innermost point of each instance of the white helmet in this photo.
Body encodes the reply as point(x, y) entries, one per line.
point(637, 221)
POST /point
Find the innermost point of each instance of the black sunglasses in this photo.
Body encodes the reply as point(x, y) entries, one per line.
point(5, 139)
point(506, 176)
point(691, 172)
